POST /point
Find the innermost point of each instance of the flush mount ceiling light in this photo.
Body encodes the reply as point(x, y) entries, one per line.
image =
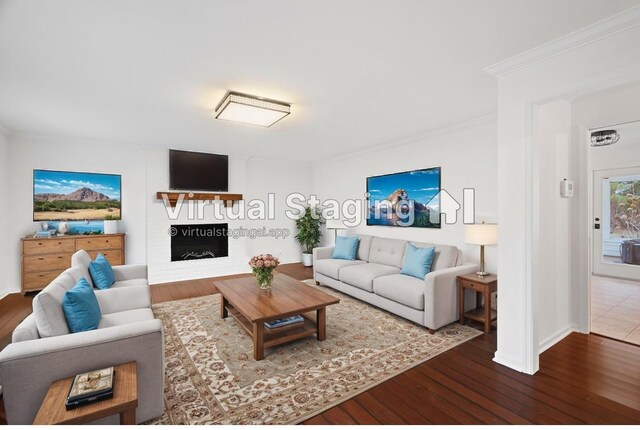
point(247, 109)
point(604, 137)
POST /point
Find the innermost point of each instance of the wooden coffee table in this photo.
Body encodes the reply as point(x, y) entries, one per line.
point(250, 306)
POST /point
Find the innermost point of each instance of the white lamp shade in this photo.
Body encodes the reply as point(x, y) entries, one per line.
point(481, 234)
point(335, 224)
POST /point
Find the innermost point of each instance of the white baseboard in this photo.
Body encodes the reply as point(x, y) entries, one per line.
point(556, 337)
point(508, 362)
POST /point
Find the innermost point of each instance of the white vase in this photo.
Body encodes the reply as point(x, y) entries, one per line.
point(111, 227)
point(307, 259)
point(63, 228)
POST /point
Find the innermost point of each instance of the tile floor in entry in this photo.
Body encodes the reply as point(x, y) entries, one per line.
point(615, 308)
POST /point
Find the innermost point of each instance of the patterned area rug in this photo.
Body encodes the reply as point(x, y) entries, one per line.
point(212, 378)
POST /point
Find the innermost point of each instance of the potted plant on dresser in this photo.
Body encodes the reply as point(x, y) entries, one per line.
point(309, 233)
point(111, 224)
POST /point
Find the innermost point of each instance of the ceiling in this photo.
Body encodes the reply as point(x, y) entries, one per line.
point(357, 73)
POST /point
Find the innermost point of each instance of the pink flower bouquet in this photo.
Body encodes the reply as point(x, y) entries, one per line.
point(262, 266)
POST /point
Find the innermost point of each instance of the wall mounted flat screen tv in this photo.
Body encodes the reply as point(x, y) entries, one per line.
point(405, 199)
point(76, 196)
point(197, 171)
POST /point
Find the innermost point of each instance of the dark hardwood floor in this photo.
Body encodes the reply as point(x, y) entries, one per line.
point(584, 379)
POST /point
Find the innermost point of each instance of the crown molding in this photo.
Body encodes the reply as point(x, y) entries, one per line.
point(429, 134)
point(592, 33)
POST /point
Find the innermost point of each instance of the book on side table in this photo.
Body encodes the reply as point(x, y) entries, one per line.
point(90, 387)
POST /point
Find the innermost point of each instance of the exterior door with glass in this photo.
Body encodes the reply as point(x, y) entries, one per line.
point(616, 239)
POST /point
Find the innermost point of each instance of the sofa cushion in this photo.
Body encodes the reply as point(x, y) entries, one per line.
point(79, 272)
point(80, 261)
point(389, 252)
point(364, 247)
point(446, 256)
point(346, 248)
point(130, 283)
point(331, 268)
point(362, 276)
point(81, 308)
point(47, 307)
point(403, 289)
point(126, 317)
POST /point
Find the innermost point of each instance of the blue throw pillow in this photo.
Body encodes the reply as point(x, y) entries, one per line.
point(101, 273)
point(417, 261)
point(81, 309)
point(346, 248)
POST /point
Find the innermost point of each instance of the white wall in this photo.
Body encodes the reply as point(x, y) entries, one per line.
point(5, 208)
point(553, 215)
point(27, 153)
point(281, 178)
point(467, 156)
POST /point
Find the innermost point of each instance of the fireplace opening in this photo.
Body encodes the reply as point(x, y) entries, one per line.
point(199, 241)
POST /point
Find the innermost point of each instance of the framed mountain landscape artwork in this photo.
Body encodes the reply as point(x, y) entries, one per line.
point(405, 199)
point(75, 196)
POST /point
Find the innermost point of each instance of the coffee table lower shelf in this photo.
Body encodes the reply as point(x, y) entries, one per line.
point(264, 337)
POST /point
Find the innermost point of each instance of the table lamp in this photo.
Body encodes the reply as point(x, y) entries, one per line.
point(481, 234)
point(335, 225)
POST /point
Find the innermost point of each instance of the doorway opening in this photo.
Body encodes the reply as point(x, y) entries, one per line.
point(615, 280)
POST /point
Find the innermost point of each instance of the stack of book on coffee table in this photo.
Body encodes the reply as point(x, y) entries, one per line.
point(295, 319)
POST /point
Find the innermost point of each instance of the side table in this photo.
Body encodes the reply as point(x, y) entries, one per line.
point(124, 401)
point(483, 286)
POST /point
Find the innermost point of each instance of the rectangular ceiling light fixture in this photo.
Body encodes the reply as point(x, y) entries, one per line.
point(246, 109)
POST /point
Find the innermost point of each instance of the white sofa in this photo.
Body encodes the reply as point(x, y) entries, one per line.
point(374, 277)
point(43, 350)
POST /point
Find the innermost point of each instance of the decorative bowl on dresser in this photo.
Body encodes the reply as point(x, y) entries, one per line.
point(43, 259)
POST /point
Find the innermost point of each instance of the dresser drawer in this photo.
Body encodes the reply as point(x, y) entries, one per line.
point(45, 263)
point(114, 256)
point(48, 246)
point(472, 285)
point(95, 243)
point(37, 281)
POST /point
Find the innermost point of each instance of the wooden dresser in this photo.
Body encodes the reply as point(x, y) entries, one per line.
point(44, 259)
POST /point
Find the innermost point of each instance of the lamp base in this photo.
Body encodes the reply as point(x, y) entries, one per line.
point(482, 274)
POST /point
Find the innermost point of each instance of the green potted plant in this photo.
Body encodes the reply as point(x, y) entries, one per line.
point(309, 233)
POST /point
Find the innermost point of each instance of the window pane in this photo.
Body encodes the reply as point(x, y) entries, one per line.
point(625, 208)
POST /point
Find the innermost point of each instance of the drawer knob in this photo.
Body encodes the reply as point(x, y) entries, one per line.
point(41, 258)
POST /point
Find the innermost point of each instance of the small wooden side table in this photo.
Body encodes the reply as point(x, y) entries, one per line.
point(124, 401)
point(483, 286)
